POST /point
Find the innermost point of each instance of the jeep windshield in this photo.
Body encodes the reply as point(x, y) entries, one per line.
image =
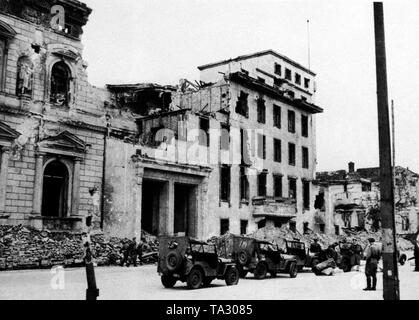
point(202, 247)
point(264, 246)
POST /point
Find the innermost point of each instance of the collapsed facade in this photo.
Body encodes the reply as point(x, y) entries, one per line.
point(232, 152)
point(351, 199)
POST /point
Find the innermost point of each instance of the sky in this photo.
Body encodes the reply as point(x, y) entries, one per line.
point(161, 41)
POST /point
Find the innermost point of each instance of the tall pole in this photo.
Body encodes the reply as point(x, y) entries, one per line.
point(390, 272)
point(308, 42)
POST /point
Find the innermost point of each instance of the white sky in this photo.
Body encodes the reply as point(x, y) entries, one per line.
point(130, 41)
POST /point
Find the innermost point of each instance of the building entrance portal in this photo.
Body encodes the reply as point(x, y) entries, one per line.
point(151, 206)
point(185, 210)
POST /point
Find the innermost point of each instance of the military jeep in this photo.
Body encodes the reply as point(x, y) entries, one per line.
point(303, 256)
point(259, 257)
point(194, 262)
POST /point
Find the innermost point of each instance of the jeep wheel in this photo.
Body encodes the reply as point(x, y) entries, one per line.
point(293, 270)
point(173, 261)
point(195, 279)
point(243, 257)
point(168, 281)
point(260, 271)
point(232, 276)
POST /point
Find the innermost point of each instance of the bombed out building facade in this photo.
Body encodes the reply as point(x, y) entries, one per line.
point(234, 152)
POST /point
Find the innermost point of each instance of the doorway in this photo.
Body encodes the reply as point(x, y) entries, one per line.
point(185, 209)
point(150, 210)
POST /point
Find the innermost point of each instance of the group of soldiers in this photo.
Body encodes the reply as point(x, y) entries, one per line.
point(131, 250)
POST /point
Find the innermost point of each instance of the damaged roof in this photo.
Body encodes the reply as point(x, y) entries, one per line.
point(140, 87)
point(374, 173)
point(257, 54)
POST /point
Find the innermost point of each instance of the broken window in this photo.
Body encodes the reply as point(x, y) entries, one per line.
point(24, 79)
point(366, 186)
point(60, 84)
point(261, 110)
point(306, 195)
point(262, 224)
point(262, 184)
point(278, 70)
point(277, 116)
point(224, 226)
point(293, 226)
point(305, 228)
point(204, 125)
point(319, 202)
point(304, 125)
point(277, 150)
point(225, 137)
point(242, 106)
point(306, 83)
point(405, 224)
point(277, 186)
point(243, 226)
point(305, 157)
point(261, 146)
point(291, 121)
point(322, 227)
point(291, 154)
point(225, 183)
point(287, 74)
point(297, 78)
point(337, 230)
point(292, 188)
point(245, 146)
point(244, 185)
point(55, 190)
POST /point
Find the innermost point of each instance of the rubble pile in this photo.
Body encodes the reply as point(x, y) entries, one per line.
point(27, 248)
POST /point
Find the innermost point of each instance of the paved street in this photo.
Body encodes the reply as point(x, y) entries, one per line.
point(143, 283)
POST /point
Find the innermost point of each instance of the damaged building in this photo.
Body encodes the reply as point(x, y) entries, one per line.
point(351, 199)
point(234, 151)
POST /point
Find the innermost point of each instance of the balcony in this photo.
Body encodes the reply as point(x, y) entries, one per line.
point(274, 207)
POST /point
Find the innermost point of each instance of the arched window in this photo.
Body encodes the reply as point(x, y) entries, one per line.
point(55, 190)
point(60, 84)
point(24, 81)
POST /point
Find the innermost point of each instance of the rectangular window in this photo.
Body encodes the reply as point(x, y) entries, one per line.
point(261, 111)
point(304, 125)
point(291, 154)
point(262, 184)
point(224, 226)
point(306, 195)
point(287, 74)
point(242, 106)
point(292, 188)
point(225, 183)
point(244, 185)
point(277, 186)
point(291, 121)
point(278, 69)
point(243, 226)
point(306, 83)
point(261, 146)
point(304, 151)
point(225, 137)
point(277, 116)
point(204, 125)
point(277, 150)
point(278, 82)
point(297, 78)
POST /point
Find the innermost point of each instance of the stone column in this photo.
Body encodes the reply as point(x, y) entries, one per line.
point(137, 198)
point(4, 164)
point(37, 193)
point(168, 207)
point(76, 188)
point(202, 209)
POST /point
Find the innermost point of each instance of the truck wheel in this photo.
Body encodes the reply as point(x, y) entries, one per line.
point(168, 281)
point(232, 276)
point(195, 279)
point(293, 270)
point(173, 261)
point(260, 271)
point(243, 257)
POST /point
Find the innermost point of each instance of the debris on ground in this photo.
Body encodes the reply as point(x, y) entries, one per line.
point(27, 248)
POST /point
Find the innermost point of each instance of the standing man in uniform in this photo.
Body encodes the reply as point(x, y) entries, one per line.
point(315, 246)
point(372, 255)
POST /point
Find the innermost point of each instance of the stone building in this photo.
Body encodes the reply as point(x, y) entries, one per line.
point(351, 199)
point(234, 151)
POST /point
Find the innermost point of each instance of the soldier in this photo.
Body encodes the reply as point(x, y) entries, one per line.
point(125, 252)
point(140, 250)
point(315, 247)
point(132, 251)
point(372, 255)
point(356, 251)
